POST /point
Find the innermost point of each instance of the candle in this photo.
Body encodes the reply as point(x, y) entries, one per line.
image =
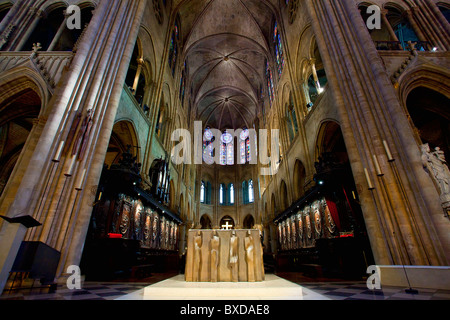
point(100, 196)
point(377, 165)
point(388, 151)
point(72, 165)
point(80, 181)
point(369, 182)
point(58, 152)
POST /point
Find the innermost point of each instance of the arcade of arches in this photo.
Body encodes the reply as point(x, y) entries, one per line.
point(357, 128)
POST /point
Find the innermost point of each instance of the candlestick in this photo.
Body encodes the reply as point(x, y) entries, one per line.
point(72, 165)
point(377, 166)
point(388, 151)
point(80, 181)
point(58, 152)
point(369, 182)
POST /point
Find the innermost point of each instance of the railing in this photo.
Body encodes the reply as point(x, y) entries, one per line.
point(49, 64)
point(403, 46)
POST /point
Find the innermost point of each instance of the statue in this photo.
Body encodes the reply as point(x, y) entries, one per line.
point(215, 243)
point(197, 257)
point(234, 256)
point(437, 166)
point(249, 254)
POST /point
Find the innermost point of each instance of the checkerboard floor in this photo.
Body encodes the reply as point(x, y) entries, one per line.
point(351, 290)
point(359, 291)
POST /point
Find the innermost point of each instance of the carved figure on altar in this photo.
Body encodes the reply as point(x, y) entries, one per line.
point(250, 256)
point(294, 232)
point(215, 244)
point(234, 256)
point(198, 241)
point(437, 167)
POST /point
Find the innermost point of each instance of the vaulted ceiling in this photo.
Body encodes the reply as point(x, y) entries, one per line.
point(226, 44)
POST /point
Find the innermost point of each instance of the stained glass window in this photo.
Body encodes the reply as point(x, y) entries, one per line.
point(270, 87)
point(245, 146)
point(231, 193)
point(243, 157)
point(279, 51)
point(208, 145)
point(202, 192)
point(173, 48)
point(221, 194)
point(223, 154)
point(251, 196)
point(230, 154)
point(183, 84)
point(226, 149)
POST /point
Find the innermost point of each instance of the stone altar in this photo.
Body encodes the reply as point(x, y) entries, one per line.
point(224, 256)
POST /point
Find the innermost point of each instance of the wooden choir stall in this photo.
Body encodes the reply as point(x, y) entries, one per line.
point(224, 256)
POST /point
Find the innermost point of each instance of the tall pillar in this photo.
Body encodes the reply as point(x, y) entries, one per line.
point(432, 14)
point(93, 86)
point(138, 75)
point(404, 222)
point(410, 17)
point(391, 31)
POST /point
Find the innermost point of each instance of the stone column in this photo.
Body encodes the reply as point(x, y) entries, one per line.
point(58, 34)
point(402, 220)
point(94, 82)
point(432, 13)
point(31, 20)
point(391, 31)
point(138, 75)
point(411, 19)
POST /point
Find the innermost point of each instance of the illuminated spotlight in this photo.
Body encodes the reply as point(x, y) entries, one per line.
point(434, 49)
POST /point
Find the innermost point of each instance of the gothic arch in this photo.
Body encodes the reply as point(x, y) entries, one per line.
point(20, 106)
point(324, 137)
point(15, 80)
point(205, 222)
point(299, 179)
point(284, 199)
point(429, 76)
point(124, 133)
point(249, 222)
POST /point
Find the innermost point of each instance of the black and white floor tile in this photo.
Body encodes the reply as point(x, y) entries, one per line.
point(328, 290)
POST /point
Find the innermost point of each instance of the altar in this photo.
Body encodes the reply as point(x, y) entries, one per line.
point(224, 256)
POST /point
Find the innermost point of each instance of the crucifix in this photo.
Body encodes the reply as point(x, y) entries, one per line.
point(227, 226)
